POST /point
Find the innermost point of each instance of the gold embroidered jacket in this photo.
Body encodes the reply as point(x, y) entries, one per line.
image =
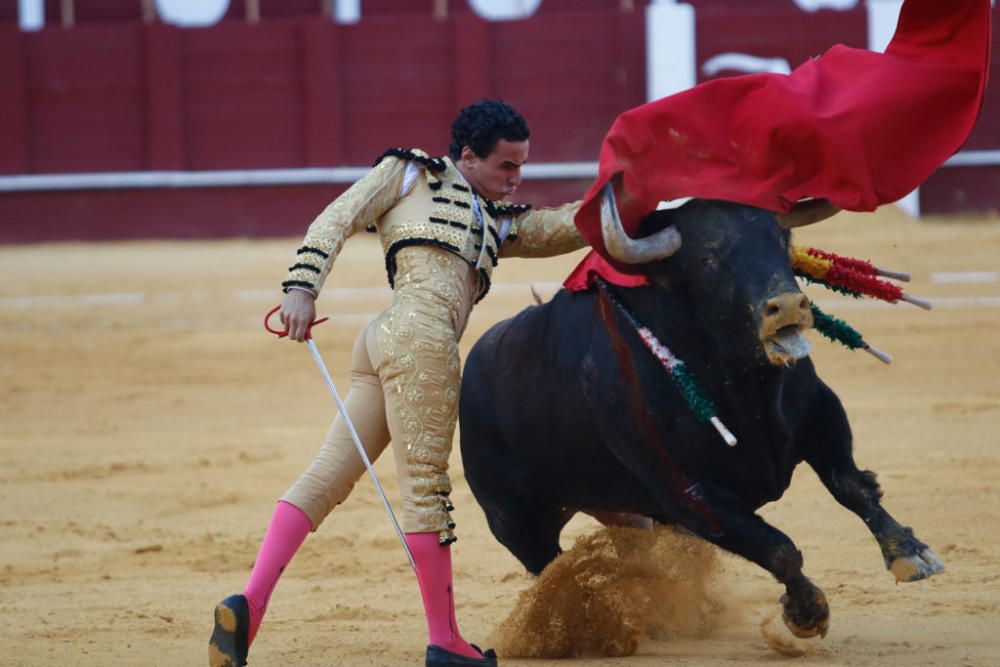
point(410, 198)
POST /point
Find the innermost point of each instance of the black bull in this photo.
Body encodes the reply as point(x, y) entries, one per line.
point(563, 409)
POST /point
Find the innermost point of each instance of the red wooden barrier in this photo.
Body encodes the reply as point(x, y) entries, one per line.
point(85, 91)
point(298, 90)
point(13, 102)
point(570, 74)
point(194, 213)
point(124, 96)
point(89, 11)
point(164, 100)
point(769, 32)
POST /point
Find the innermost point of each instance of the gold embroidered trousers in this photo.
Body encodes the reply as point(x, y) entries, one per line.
point(405, 375)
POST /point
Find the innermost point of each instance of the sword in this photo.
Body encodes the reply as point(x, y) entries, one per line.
point(347, 420)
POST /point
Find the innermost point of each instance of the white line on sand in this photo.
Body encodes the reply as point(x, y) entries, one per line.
point(965, 277)
point(937, 302)
point(63, 300)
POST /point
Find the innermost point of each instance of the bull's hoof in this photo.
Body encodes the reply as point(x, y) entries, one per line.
point(807, 614)
point(906, 557)
point(916, 567)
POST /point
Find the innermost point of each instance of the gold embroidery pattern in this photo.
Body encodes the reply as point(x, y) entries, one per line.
point(420, 372)
point(544, 232)
point(360, 205)
point(451, 224)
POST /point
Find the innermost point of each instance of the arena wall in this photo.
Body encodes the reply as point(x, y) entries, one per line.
point(296, 91)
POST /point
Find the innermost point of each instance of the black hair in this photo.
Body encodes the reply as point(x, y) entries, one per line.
point(482, 125)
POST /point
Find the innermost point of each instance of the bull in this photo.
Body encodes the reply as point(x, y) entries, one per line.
point(564, 409)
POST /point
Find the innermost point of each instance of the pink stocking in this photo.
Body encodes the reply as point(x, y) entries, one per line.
point(434, 575)
point(288, 529)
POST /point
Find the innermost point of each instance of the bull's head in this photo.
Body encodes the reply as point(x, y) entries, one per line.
point(734, 265)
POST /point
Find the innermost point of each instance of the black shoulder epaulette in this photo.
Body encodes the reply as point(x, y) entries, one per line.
point(433, 163)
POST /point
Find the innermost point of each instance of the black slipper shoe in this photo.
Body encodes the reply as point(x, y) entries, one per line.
point(229, 644)
point(439, 657)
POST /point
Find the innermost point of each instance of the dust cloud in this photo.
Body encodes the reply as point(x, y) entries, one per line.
point(612, 589)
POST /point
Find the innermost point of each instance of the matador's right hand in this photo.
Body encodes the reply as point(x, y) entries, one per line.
point(298, 311)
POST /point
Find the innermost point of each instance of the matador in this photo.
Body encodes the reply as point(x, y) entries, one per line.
point(444, 223)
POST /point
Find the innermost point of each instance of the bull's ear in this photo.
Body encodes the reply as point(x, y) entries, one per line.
point(806, 213)
point(623, 247)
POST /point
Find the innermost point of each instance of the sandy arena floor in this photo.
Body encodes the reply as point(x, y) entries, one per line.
point(148, 423)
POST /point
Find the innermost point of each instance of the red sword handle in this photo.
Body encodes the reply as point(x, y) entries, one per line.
point(282, 333)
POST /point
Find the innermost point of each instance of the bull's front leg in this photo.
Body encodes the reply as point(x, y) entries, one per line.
point(805, 609)
point(720, 516)
point(829, 451)
point(905, 556)
point(725, 520)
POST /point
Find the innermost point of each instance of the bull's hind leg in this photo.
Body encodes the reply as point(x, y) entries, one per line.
point(530, 531)
point(829, 453)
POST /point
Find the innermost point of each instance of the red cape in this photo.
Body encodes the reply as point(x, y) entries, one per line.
point(855, 127)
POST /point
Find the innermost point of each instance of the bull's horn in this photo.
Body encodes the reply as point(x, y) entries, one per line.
point(806, 213)
point(626, 249)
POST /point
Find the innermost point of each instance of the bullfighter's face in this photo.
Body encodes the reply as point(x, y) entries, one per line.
point(497, 175)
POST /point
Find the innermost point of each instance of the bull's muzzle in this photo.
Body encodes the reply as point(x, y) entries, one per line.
point(783, 319)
